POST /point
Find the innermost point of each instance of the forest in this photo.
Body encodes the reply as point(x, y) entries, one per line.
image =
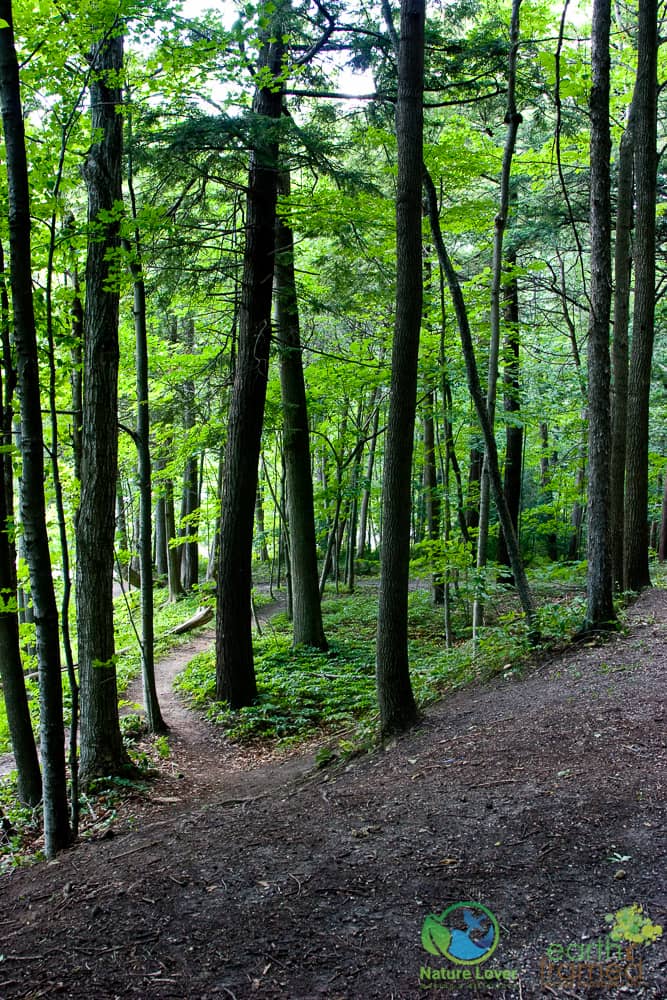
point(354, 304)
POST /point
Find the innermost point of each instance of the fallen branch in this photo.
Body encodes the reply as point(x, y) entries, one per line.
point(200, 617)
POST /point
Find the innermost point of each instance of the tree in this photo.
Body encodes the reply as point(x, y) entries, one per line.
point(306, 613)
point(636, 572)
point(600, 606)
point(102, 751)
point(234, 656)
point(156, 723)
point(32, 501)
point(398, 710)
point(11, 668)
point(619, 414)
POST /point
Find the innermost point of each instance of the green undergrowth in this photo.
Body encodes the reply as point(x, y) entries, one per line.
point(304, 692)
point(20, 826)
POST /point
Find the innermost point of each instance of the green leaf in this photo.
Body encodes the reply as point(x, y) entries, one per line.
point(436, 938)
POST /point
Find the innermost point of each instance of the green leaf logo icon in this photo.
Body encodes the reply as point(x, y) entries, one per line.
point(436, 938)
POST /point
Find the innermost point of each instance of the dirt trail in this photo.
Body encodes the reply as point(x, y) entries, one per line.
point(203, 761)
point(541, 797)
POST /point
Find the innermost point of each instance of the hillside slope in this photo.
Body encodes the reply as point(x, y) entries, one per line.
point(542, 798)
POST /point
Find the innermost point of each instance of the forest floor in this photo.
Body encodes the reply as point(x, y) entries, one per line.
point(541, 797)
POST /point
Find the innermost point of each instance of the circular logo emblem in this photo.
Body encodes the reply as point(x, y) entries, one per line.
point(465, 933)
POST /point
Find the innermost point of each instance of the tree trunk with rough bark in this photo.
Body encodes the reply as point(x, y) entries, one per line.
point(32, 502)
point(11, 667)
point(600, 606)
point(636, 561)
point(398, 710)
point(156, 723)
point(102, 751)
point(619, 354)
point(235, 671)
point(306, 609)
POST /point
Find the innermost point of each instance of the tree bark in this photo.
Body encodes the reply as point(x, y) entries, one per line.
point(11, 668)
point(156, 723)
point(619, 410)
point(102, 751)
point(636, 562)
point(32, 503)
point(306, 609)
point(600, 606)
point(398, 710)
point(189, 549)
point(235, 672)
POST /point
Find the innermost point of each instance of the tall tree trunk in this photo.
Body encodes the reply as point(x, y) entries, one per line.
point(619, 355)
point(11, 668)
point(102, 751)
point(189, 550)
point(600, 606)
point(235, 672)
point(307, 614)
point(636, 560)
point(398, 710)
point(76, 380)
point(33, 508)
point(156, 723)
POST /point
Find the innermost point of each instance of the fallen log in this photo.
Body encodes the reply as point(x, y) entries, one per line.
point(200, 617)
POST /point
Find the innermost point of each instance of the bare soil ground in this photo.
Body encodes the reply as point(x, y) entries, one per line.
point(542, 798)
